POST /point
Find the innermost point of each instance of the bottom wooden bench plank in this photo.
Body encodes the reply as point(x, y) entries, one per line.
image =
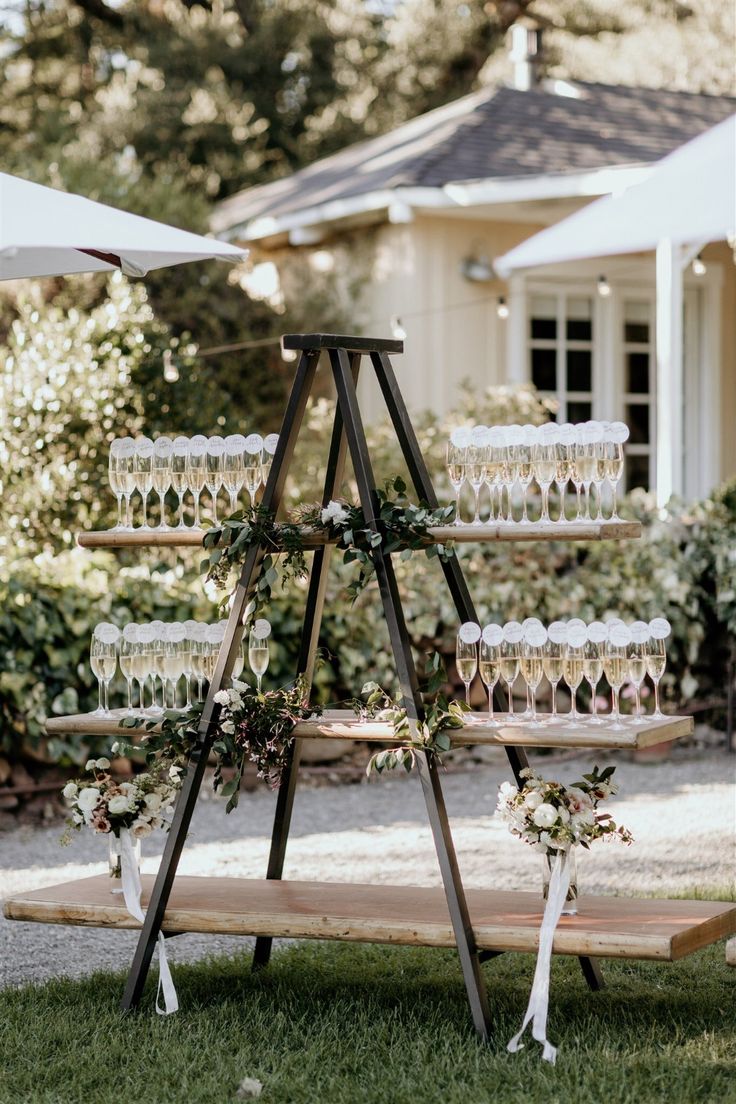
point(612, 927)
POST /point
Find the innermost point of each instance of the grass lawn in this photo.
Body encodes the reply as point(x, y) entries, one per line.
point(332, 1023)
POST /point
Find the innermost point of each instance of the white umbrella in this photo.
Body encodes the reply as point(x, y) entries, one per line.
point(45, 232)
point(688, 200)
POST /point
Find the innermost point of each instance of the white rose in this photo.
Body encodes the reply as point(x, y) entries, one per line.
point(140, 828)
point(334, 512)
point(228, 727)
point(70, 791)
point(241, 687)
point(90, 764)
point(506, 790)
point(103, 764)
point(153, 802)
point(88, 798)
point(234, 698)
point(544, 815)
point(128, 788)
point(221, 697)
point(119, 805)
point(533, 800)
point(174, 773)
point(563, 814)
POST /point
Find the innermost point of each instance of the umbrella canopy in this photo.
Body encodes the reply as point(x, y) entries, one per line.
point(45, 232)
point(689, 198)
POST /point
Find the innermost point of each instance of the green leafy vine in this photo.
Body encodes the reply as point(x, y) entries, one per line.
point(401, 526)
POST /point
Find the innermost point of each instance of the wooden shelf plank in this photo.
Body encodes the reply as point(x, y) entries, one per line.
point(342, 724)
point(610, 927)
point(461, 534)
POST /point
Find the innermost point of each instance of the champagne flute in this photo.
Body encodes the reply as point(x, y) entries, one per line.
point(615, 666)
point(129, 645)
point(593, 668)
point(532, 663)
point(600, 475)
point(510, 659)
point(162, 475)
point(116, 479)
point(143, 472)
point(157, 664)
point(213, 470)
point(190, 628)
point(197, 471)
point(270, 444)
point(126, 474)
point(505, 478)
point(564, 451)
point(544, 464)
point(524, 475)
point(656, 659)
point(585, 466)
point(200, 648)
point(239, 661)
point(233, 473)
point(614, 452)
point(490, 664)
point(554, 658)
point(573, 666)
point(103, 661)
point(456, 471)
point(144, 666)
point(637, 655)
point(179, 468)
point(466, 655)
point(253, 459)
point(258, 654)
point(475, 468)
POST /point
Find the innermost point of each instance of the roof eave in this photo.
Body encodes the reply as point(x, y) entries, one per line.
point(308, 225)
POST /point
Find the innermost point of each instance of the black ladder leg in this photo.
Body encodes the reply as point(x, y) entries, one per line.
point(401, 646)
point(307, 652)
point(453, 572)
point(187, 799)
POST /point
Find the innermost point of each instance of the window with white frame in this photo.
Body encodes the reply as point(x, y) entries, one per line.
point(638, 399)
point(561, 335)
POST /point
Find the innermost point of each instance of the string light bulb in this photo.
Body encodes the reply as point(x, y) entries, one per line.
point(699, 266)
point(397, 329)
point(171, 371)
point(604, 288)
point(502, 307)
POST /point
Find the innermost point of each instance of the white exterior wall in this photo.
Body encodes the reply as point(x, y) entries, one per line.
point(452, 328)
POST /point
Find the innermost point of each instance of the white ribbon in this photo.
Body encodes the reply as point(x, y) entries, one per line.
point(131, 879)
point(559, 884)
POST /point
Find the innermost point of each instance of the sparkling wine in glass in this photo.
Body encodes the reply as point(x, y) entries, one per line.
point(179, 470)
point(213, 471)
point(554, 659)
point(143, 471)
point(258, 655)
point(253, 460)
point(233, 472)
point(456, 457)
point(532, 663)
point(129, 647)
point(614, 451)
point(659, 630)
point(103, 658)
point(489, 664)
point(162, 475)
point(197, 471)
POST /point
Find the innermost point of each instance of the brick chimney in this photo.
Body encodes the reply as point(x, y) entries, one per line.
point(526, 56)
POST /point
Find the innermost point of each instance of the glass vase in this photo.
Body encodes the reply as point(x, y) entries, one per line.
point(115, 860)
point(570, 907)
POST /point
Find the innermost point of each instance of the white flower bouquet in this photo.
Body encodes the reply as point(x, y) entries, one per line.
point(142, 804)
point(552, 817)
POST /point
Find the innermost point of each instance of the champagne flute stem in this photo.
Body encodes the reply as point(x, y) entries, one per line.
point(259, 677)
point(467, 694)
point(99, 696)
point(457, 506)
point(616, 713)
point(587, 501)
point(578, 490)
point(657, 710)
point(128, 519)
point(144, 499)
point(511, 700)
point(554, 700)
point(214, 507)
point(562, 503)
point(594, 700)
point(197, 523)
point(181, 512)
point(614, 514)
point(524, 516)
point(199, 688)
point(120, 512)
point(107, 706)
point(534, 704)
point(490, 702)
point(189, 691)
point(574, 710)
point(638, 701)
point(130, 695)
point(162, 511)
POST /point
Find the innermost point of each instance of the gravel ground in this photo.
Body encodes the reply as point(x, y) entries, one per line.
point(682, 813)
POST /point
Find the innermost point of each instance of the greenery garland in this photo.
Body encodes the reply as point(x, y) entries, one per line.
point(253, 726)
point(402, 527)
point(440, 715)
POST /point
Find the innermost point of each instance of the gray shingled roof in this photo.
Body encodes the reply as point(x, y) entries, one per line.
point(491, 134)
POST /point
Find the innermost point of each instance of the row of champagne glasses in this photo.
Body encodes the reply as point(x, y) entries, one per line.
point(187, 464)
point(588, 455)
point(165, 653)
point(565, 651)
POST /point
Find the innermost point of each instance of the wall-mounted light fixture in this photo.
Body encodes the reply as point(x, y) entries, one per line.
point(502, 307)
point(604, 288)
point(477, 268)
point(699, 266)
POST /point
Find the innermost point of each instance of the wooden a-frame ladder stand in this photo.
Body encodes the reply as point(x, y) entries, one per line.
point(348, 435)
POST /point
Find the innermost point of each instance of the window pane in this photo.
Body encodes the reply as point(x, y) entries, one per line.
point(637, 472)
point(579, 411)
point(543, 317)
point(579, 375)
point(637, 419)
point(579, 325)
point(636, 321)
point(637, 372)
point(544, 369)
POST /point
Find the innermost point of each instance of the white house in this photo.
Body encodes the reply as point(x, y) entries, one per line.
point(419, 214)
